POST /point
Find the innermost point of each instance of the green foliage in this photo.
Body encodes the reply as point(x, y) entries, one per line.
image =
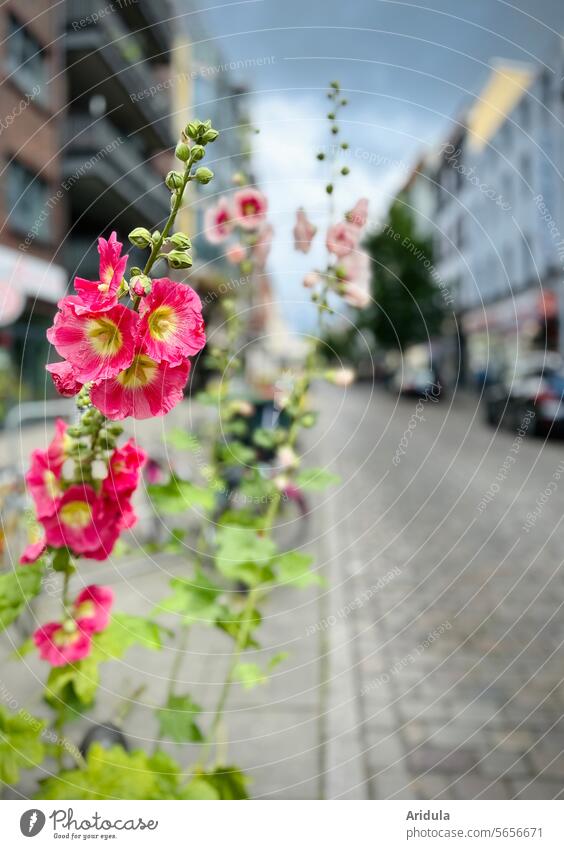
point(123, 632)
point(294, 568)
point(17, 588)
point(177, 720)
point(178, 496)
point(235, 624)
point(117, 774)
point(408, 306)
point(316, 480)
point(243, 554)
point(20, 744)
point(228, 781)
point(195, 600)
point(182, 440)
point(251, 675)
point(74, 685)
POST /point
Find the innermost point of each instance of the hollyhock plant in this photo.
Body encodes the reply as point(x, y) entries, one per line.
point(236, 253)
point(304, 232)
point(97, 345)
point(64, 378)
point(43, 478)
point(124, 470)
point(342, 238)
point(144, 389)
point(355, 287)
point(33, 551)
point(77, 521)
point(61, 643)
point(218, 222)
point(171, 324)
point(101, 294)
point(249, 208)
point(358, 215)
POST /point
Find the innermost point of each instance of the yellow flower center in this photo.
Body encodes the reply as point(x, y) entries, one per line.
point(87, 609)
point(104, 335)
point(51, 483)
point(67, 633)
point(140, 373)
point(108, 274)
point(162, 323)
point(76, 514)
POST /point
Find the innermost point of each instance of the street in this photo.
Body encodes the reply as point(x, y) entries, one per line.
point(456, 661)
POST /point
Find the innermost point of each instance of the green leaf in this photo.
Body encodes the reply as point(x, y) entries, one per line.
point(229, 782)
point(277, 659)
point(116, 774)
point(75, 684)
point(250, 675)
point(237, 453)
point(123, 632)
point(199, 788)
point(16, 589)
point(20, 744)
point(293, 568)
point(232, 623)
point(177, 720)
point(316, 480)
point(195, 600)
point(240, 551)
point(182, 440)
point(178, 496)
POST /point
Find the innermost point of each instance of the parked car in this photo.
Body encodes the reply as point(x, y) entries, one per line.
point(416, 381)
point(528, 395)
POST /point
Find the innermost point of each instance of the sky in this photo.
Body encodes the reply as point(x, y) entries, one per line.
point(407, 69)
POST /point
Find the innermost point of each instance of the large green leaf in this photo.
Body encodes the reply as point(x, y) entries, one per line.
point(240, 551)
point(17, 587)
point(200, 788)
point(75, 683)
point(20, 744)
point(116, 774)
point(177, 720)
point(123, 632)
point(293, 568)
point(195, 600)
point(235, 623)
point(182, 440)
point(229, 782)
point(178, 496)
point(316, 480)
point(251, 675)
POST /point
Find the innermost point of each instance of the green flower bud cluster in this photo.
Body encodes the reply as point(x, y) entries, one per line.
point(201, 132)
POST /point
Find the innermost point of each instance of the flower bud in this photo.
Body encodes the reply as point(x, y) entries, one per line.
point(140, 285)
point(192, 129)
point(334, 130)
point(174, 180)
point(182, 151)
point(179, 259)
point(238, 179)
point(203, 175)
point(321, 156)
point(329, 188)
point(140, 237)
point(345, 171)
point(331, 116)
point(209, 136)
point(344, 145)
point(197, 152)
point(156, 236)
point(180, 240)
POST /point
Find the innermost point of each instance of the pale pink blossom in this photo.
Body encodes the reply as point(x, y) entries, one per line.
point(304, 231)
point(342, 238)
point(236, 253)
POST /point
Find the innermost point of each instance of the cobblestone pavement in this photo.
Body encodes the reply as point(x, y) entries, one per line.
point(449, 607)
point(430, 664)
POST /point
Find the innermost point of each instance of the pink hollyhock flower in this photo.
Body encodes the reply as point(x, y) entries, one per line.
point(64, 378)
point(261, 248)
point(91, 608)
point(311, 279)
point(124, 468)
point(358, 215)
point(33, 551)
point(97, 345)
point(62, 642)
point(153, 471)
point(249, 208)
point(144, 389)
point(304, 231)
point(356, 286)
point(171, 325)
point(100, 295)
point(218, 222)
point(236, 253)
point(342, 238)
point(44, 474)
point(77, 522)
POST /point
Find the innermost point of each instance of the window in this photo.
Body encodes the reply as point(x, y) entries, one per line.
point(28, 202)
point(26, 56)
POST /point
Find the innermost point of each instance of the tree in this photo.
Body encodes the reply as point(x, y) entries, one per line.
point(408, 306)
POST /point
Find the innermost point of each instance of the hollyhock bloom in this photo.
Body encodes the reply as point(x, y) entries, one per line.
point(153, 471)
point(91, 608)
point(262, 246)
point(97, 345)
point(33, 551)
point(304, 231)
point(171, 325)
point(342, 238)
point(144, 389)
point(358, 215)
point(249, 208)
point(62, 642)
point(64, 378)
point(100, 295)
point(44, 474)
point(124, 468)
point(356, 285)
point(77, 522)
point(218, 222)
point(286, 457)
point(236, 253)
